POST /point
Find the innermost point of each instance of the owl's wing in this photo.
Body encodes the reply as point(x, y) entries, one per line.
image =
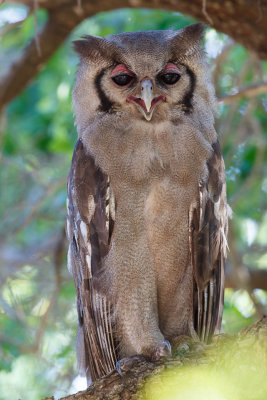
point(90, 221)
point(208, 227)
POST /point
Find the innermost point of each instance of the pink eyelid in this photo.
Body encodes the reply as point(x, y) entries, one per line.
point(172, 67)
point(119, 69)
point(122, 68)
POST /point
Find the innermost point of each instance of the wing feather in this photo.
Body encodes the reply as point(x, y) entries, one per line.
point(208, 227)
point(90, 221)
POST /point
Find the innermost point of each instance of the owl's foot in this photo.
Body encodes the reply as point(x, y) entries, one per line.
point(127, 363)
point(184, 344)
point(162, 350)
point(180, 340)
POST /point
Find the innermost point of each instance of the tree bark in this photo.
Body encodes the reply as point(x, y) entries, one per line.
point(245, 21)
point(224, 354)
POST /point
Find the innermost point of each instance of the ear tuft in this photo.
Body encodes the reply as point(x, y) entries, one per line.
point(97, 48)
point(90, 46)
point(81, 47)
point(194, 31)
point(188, 41)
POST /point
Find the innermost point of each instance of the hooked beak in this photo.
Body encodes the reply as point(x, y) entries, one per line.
point(147, 93)
point(146, 103)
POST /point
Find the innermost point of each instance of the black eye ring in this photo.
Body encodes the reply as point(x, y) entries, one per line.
point(122, 80)
point(170, 78)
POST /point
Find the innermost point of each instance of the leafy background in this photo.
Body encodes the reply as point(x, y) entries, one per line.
point(37, 299)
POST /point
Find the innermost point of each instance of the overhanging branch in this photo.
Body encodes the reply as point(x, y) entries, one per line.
point(248, 92)
point(23, 70)
point(241, 20)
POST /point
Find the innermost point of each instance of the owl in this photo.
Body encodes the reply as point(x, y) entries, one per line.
point(147, 209)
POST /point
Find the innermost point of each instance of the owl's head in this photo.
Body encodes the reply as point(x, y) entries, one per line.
point(148, 75)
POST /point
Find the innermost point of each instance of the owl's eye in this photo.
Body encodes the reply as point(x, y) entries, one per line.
point(170, 78)
point(122, 80)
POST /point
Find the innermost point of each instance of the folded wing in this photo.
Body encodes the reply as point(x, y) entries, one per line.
point(208, 226)
point(90, 221)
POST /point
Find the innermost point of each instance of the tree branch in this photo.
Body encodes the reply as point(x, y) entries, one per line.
point(23, 70)
point(240, 274)
point(219, 61)
point(257, 279)
point(248, 92)
point(226, 354)
point(241, 20)
point(58, 261)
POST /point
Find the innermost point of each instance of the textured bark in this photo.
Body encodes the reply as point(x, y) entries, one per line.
point(244, 20)
point(188, 353)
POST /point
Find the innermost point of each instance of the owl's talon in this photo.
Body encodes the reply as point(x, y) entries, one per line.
point(162, 350)
point(127, 363)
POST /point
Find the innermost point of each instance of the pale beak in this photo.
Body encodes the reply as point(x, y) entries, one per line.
point(146, 104)
point(147, 93)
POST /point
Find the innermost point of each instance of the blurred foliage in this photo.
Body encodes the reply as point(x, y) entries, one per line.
point(37, 300)
point(233, 370)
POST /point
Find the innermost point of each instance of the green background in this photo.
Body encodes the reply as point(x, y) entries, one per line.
point(37, 299)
